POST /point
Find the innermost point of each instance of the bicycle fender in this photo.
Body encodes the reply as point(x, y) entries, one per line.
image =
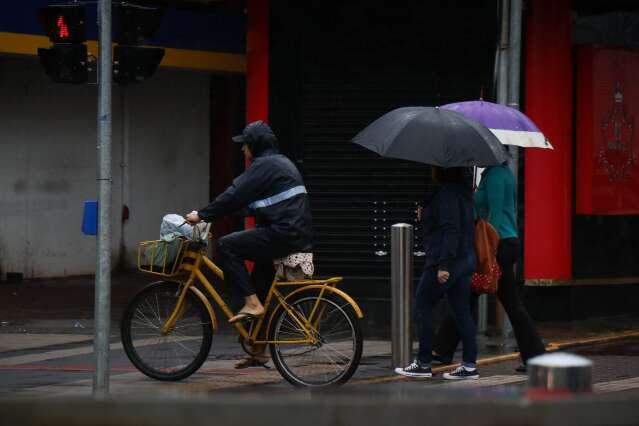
point(342, 294)
point(206, 302)
point(328, 289)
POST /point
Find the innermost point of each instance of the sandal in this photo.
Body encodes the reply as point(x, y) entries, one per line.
point(253, 361)
point(245, 317)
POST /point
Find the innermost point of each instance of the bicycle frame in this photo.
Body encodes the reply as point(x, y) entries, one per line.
point(307, 325)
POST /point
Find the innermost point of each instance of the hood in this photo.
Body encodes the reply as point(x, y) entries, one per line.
point(259, 138)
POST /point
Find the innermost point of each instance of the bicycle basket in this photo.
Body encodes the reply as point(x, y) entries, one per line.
point(161, 257)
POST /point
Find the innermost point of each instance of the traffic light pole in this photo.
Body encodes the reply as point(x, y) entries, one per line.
point(103, 268)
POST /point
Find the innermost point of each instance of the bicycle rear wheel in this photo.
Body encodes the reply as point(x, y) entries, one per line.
point(335, 356)
point(180, 352)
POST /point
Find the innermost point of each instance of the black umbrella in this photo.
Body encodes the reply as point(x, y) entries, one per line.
point(433, 136)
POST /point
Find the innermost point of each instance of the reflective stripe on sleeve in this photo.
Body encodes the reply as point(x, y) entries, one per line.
point(278, 198)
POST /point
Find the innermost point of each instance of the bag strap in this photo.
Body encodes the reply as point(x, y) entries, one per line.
point(475, 186)
point(475, 178)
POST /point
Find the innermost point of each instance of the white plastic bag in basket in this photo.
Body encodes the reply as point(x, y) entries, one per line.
point(174, 226)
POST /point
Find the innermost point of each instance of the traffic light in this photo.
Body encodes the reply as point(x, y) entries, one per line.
point(66, 60)
point(132, 63)
point(65, 63)
point(132, 25)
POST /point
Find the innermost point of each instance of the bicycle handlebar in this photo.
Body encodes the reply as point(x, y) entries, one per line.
point(197, 234)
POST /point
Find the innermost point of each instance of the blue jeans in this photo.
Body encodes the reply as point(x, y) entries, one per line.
point(457, 290)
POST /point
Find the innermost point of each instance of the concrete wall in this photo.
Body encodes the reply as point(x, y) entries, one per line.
point(48, 164)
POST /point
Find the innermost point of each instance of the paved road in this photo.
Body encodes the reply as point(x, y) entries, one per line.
point(44, 365)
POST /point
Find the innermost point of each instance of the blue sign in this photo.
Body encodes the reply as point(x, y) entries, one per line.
point(90, 218)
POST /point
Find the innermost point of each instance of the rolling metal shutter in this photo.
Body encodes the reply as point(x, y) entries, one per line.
point(334, 70)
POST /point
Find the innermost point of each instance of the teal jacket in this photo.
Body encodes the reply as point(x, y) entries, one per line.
point(496, 200)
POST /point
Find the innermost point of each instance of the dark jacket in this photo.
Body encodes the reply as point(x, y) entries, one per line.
point(448, 225)
point(270, 174)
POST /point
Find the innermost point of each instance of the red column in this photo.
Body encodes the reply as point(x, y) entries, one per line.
point(257, 51)
point(548, 174)
point(257, 45)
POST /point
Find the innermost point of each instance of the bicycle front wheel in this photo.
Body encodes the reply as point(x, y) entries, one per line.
point(176, 354)
point(334, 357)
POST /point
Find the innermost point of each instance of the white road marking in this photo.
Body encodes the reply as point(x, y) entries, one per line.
point(64, 353)
point(16, 342)
point(486, 381)
point(617, 385)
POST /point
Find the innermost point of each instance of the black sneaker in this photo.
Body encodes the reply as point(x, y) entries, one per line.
point(462, 373)
point(414, 369)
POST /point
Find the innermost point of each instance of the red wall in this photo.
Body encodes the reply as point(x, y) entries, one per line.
point(548, 173)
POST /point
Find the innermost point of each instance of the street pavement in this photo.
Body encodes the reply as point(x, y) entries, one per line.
point(46, 350)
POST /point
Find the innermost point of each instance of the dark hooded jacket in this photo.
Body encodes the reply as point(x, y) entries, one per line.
point(261, 188)
point(448, 225)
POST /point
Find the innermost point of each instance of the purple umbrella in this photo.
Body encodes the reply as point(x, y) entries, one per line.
point(509, 125)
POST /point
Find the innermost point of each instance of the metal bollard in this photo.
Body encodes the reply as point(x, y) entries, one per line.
point(558, 374)
point(401, 292)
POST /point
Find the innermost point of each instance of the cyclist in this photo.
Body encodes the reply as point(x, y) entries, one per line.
point(273, 189)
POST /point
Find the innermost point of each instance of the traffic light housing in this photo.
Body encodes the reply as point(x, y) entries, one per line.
point(64, 23)
point(132, 63)
point(65, 63)
point(66, 60)
point(132, 25)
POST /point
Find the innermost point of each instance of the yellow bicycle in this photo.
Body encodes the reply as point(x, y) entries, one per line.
point(312, 327)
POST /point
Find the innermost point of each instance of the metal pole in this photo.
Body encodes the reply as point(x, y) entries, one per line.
point(103, 268)
point(514, 70)
point(502, 76)
point(514, 66)
point(501, 69)
point(124, 169)
point(401, 292)
point(502, 322)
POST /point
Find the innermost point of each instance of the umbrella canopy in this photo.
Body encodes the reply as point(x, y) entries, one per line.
point(432, 136)
point(509, 125)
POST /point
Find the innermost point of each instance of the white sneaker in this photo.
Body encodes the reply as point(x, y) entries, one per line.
point(462, 373)
point(414, 369)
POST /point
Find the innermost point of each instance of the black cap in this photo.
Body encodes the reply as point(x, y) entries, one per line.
point(254, 131)
point(239, 139)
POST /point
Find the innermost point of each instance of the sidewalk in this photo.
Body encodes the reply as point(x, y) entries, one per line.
point(46, 329)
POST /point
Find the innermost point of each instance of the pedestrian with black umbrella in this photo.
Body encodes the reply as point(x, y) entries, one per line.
point(448, 235)
point(450, 143)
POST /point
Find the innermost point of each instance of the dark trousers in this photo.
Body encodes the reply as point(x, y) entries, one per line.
point(528, 340)
point(260, 245)
point(457, 291)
